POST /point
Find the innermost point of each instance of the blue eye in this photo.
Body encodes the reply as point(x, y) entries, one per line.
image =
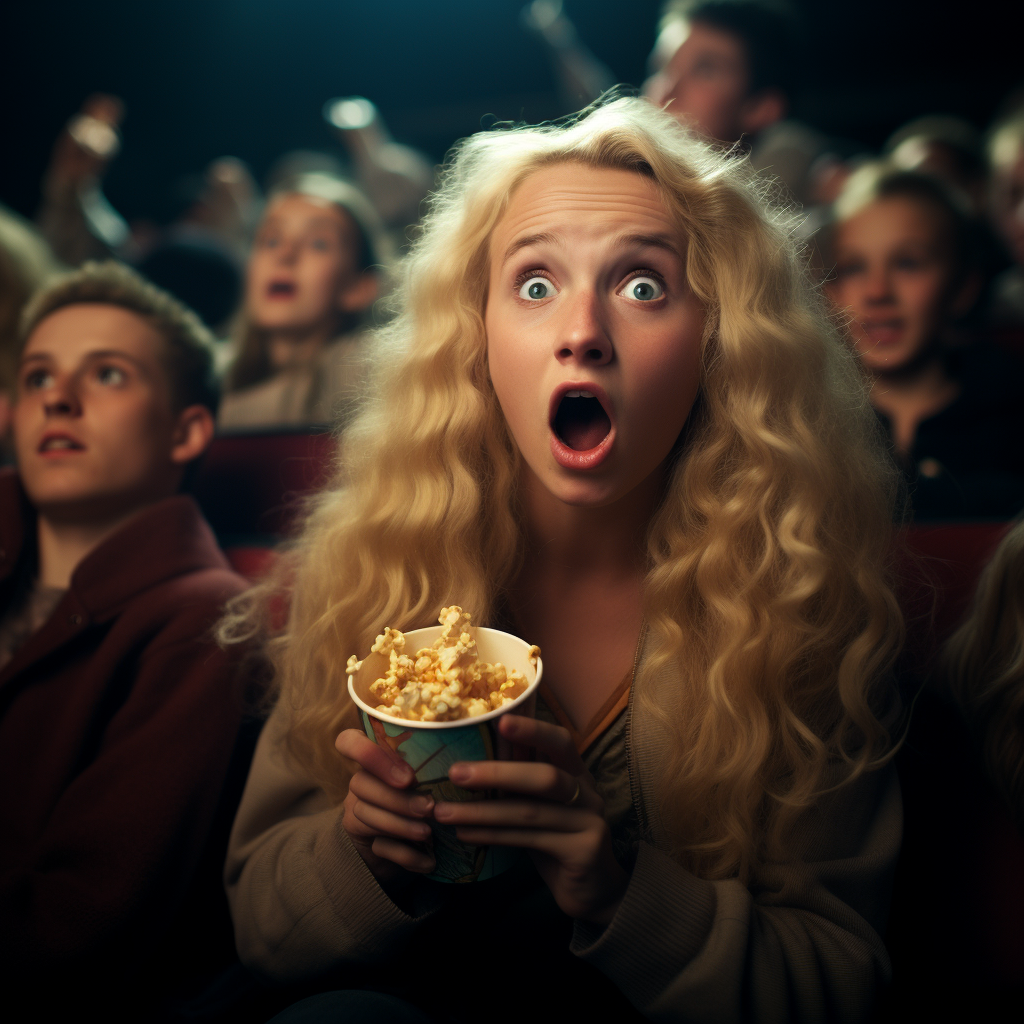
point(320, 244)
point(643, 289)
point(536, 288)
point(111, 375)
point(36, 380)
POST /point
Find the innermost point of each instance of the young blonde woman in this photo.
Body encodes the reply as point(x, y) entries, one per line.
point(609, 418)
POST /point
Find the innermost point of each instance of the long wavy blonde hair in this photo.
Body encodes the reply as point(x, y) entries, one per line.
point(766, 595)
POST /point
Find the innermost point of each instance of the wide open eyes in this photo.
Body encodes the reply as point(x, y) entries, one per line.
point(536, 288)
point(643, 289)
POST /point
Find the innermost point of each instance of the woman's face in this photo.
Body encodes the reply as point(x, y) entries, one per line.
point(593, 335)
point(303, 262)
point(894, 269)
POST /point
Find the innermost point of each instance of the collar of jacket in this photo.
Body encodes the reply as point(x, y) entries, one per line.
point(167, 539)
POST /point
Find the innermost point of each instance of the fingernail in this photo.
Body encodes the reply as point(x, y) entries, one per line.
point(442, 812)
point(421, 804)
point(459, 773)
point(401, 775)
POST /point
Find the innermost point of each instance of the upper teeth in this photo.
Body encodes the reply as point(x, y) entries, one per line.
point(579, 394)
point(59, 442)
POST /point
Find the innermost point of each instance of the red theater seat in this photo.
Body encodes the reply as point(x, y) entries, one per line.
point(956, 932)
point(250, 485)
point(938, 567)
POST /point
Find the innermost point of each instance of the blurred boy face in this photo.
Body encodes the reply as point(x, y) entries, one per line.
point(94, 427)
point(703, 77)
point(303, 266)
point(894, 271)
point(1008, 203)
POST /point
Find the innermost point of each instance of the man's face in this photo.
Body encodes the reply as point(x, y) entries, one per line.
point(94, 425)
point(703, 77)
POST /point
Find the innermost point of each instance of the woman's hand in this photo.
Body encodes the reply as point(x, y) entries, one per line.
point(386, 825)
point(560, 820)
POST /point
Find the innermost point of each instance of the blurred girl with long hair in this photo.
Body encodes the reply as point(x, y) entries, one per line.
point(314, 272)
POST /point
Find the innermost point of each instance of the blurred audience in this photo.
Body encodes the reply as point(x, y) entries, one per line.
point(75, 216)
point(120, 714)
point(396, 178)
point(1006, 162)
point(581, 76)
point(949, 148)
point(26, 263)
point(315, 271)
point(906, 273)
point(723, 66)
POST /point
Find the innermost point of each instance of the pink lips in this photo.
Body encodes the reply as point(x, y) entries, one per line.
point(55, 444)
point(883, 332)
point(281, 289)
point(570, 458)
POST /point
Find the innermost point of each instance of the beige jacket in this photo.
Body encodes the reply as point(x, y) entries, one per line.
point(322, 391)
point(800, 944)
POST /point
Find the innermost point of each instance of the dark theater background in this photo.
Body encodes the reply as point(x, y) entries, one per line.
point(205, 78)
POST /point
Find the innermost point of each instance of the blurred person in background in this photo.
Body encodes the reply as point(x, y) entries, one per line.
point(906, 274)
point(723, 67)
point(26, 263)
point(312, 278)
point(196, 253)
point(949, 148)
point(74, 215)
point(1006, 205)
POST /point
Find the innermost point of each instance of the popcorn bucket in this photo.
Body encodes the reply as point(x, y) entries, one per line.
point(431, 748)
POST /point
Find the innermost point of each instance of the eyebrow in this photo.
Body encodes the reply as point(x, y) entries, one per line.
point(526, 242)
point(95, 356)
point(639, 241)
point(653, 242)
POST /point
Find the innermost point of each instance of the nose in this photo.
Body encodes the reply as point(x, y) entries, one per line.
point(583, 336)
point(61, 397)
point(878, 286)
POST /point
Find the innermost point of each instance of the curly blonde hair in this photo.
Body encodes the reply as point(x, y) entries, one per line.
point(771, 622)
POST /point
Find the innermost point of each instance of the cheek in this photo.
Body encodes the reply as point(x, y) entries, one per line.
point(925, 298)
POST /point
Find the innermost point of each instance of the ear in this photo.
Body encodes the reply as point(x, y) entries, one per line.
point(360, 293)
point(762, 110)
point(966, 295)
point(192, 434)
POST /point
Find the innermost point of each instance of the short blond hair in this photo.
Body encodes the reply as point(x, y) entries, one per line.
point(188, 357)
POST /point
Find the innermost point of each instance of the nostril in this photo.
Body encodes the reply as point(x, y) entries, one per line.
point(595, 354)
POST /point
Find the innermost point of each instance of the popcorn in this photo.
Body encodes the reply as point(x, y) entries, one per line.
point(444, 682)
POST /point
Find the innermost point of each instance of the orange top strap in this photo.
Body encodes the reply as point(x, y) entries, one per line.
point(604, 717)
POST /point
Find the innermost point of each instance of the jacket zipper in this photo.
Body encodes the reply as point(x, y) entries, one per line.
point(634, 782)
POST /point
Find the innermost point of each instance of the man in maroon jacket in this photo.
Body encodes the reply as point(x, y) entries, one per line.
point(118, 712)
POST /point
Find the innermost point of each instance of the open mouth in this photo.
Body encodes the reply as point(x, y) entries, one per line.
point(281, 289)
point(883, 332)
point(581, 422)
point(60, 444)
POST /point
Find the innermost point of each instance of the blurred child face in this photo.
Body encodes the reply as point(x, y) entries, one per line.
point(94, 428)
point(593, 335)
point(894, 270)
point(1008, 203)
point(303, 262)
point(704, 79)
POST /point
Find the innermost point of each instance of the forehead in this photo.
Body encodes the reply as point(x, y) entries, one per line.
point(299, 211)
point(573, 199)
point(696, 40)
point(894, 220)
point(71, 333)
